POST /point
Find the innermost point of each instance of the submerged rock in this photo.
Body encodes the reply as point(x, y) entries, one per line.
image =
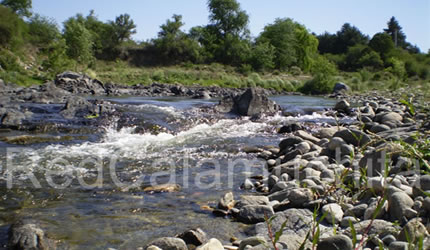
point(163, 188)
point(28, 235)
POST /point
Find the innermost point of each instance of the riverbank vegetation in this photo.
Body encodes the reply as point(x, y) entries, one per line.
point(284, 56)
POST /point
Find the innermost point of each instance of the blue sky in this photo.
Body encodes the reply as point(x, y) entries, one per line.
point(370, 16)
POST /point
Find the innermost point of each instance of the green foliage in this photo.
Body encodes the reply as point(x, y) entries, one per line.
point(395, 31)
point(79, 41)
point(12, 29)
point(228, 18)
point(381, 43)
point(173, 45)
point(57, 60)
point(43, 31)
point(123, 27)
point(320, 84)
point(293, 44)
point(262, 55)
point(361, 56)
point(9, 61)
point(20, 7)
point(396, 67)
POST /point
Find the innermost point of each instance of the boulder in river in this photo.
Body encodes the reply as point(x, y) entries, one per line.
point(341, 87)
point(252, 102)
point(28, 235)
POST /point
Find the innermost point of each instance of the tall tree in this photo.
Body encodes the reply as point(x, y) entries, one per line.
point(229, 26)
point(294, 45)
point(78, 40)
point(20, 7)
point(349, 36)
point(395, 31)
point(381, 43)
point(228, 18)
point(124, 27)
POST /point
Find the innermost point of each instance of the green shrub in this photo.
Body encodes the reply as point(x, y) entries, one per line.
point(245, 69)
point(8, 61)
point(295, 71)
point(320, 84)
point(158, 75)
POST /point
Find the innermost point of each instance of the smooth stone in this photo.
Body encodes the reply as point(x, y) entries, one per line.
point(327, 132)
point(169, 243)
point(413, 230)
point(346, 220)
point(195, 237)
point(335, 142)
point(306, 136)
point(334, 213)
point(247, 185)
point(399, 203)
point(212, 244)
point(289, 142)
point(357, 211)
point(341, 242)
point(227, 201)
point(421, 185)
point(252, 214)
point(398, 245)
point(246, 200)
point(252, 241)
point(353, 136)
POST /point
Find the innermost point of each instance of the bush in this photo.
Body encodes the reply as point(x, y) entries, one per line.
point(12, 29)
point(158, 75)
point(320, 84)
point(43, 31)
point(245, 69)
point(8, 61)
point(295, 71)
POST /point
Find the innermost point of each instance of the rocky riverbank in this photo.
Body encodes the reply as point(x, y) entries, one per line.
point(350, 186)
point(363, 185)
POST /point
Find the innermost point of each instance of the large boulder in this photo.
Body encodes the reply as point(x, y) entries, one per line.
point(252, 102)
point(79, 84)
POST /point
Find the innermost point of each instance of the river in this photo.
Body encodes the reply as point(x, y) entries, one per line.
point(88, 192)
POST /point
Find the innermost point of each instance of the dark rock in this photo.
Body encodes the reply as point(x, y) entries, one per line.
point(341, 87)
point(341, 242)
point(252, 102)
point(290, 141)
point(169, 243)
point(252, 214)
point(399, 203)
point(79, 84)
point(194, 237)
point(353, 136)
point(421, 185)
point(289, 128)
point(27, 235)
point(343, 107)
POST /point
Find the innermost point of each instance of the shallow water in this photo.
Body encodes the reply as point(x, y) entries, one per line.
point(91, 192)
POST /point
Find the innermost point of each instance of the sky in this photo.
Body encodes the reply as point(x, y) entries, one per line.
point(370, 16)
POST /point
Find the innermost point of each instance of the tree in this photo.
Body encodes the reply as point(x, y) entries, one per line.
point(173, 45)
point(228, 18)
point(124, 27)
point(262, 55)
point(348, 36)
point(326, 43)
point(381, 43)
point(43, 31)
point(395, 31)
point(12, 29)
point(227, 33)
point(78, 40)
point(20, 7)
point(294, 45)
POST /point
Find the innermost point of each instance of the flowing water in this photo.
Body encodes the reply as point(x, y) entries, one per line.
point(89, 192)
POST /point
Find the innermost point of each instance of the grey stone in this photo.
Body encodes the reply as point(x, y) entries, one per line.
point(340, 87)
point(334, 213)
point(353, 136)
point(194, 237)
point(246, 200)
point(327, 132)
point(398, 245)
point(342, 106)
point(272, 180)
point(290, 141)
point(252, 241)
point(226, 202)
point(376, 128)
point(306, 136)
point(357, 211)
point(296, 196)
point(399, 203)
point(212, 244)
point(421, 185)
point(377, 227)
point(336, 142)
point(252, 214)
point(413, 230)
point(346, 220)
point(303, 147)
point(247, 185)
point(339, 242)
point(169, 243)
point(391, 117)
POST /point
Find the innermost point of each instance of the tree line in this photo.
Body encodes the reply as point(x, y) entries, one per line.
point(284, 45)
